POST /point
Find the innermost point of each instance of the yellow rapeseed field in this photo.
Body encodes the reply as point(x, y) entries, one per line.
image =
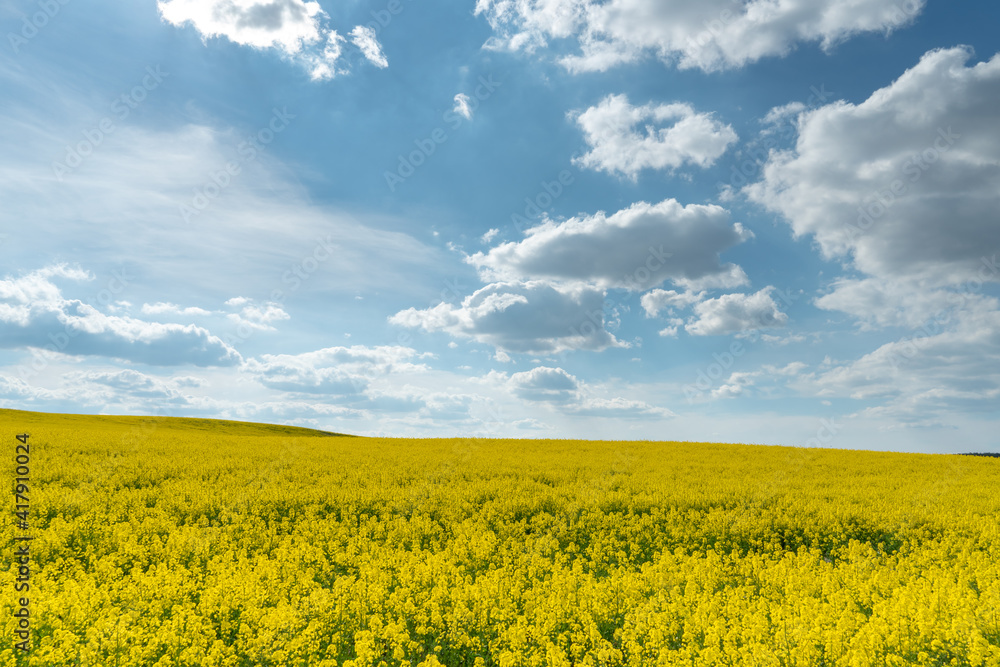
point(189, 542)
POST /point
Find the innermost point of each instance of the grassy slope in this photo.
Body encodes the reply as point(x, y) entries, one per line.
point(24, 420)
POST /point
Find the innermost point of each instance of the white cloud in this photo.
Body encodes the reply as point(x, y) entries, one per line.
point(34, 314)
point(637, 248)
point(449, 407)
point(919, 202)
point(778, 115)
point(16, 388)
point(296, 29)
point(550, 385)
point(546, 293)
point(567, 394)
point(256, 316)
point(878, 303)
point(129, 192)
point(620, 408)
point(949, 365)
point(789, 339)
point(285, 24)
point(705, 34)
point(736, 313)
point(162, 308)
point(323, 65)
point(658, 300)
point(915, 210)
point(671, 331)
point(19, 295)
point(253, 315)
point(489, 235)
point(739, 382)
point(529, 317)
point(269, 312)
point(132, 383)
point(462, 106)
point(671, 135)
point(363, 37)
point(334, 371)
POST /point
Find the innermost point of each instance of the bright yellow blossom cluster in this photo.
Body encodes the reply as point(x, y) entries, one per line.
point(169, 543)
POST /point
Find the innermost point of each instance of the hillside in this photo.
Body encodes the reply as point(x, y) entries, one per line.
point(22, 419)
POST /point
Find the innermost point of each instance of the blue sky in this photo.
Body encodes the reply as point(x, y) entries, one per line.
point(765, 222)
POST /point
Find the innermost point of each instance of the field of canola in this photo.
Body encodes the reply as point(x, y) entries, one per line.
point(175, 542)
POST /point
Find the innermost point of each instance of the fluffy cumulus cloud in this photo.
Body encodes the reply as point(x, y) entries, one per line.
point(530, 317)
point(567, 394)
point(35, 314)
point(295, 28)
point(626, 139)
point(919, 202)
point(736, 313)
point(915, 211)
point(286, 24)
point(551, 385)
point(704, 34)
point(658, 300)
point(546, 293)
point(637, 248)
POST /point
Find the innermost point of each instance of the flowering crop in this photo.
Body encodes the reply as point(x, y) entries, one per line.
point(187, 542)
